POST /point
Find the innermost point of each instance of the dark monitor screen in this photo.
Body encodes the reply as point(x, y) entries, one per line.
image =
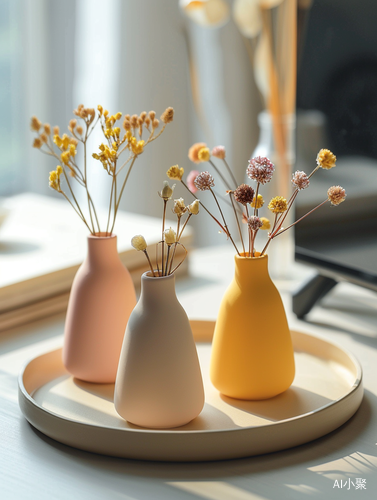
point(337, 109)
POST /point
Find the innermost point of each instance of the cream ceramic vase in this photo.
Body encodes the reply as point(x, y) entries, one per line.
point(101, 300)
point(252, 354)
point(159, 382)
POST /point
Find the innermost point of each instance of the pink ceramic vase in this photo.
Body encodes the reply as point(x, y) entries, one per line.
point(101, 300)
point(159, 382)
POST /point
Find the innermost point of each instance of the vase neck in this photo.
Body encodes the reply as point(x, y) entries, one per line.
point(250, 270)
point(102, 250)
point(158, 289)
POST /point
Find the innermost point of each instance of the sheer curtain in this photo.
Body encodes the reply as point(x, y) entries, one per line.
point(129, 56)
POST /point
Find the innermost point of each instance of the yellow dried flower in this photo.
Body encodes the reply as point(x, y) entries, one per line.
point(175, 173)
point(65, 157)
point(139, 243)
point(204, 154)
point(179, 207)
point(54, 179)
point(166, 192)
point(138, 148)
point(100, 109)
point(105, 113)
point(168, 115)
point(47, 128)
point(194, 207)
point(35, 124)
point(170, 236)
point(326, 159)
point(260, 203)
point(278, 205)
point(65, 141)
point(118, 115)
point(265, 223)
point(57, 140)
point(37, 143)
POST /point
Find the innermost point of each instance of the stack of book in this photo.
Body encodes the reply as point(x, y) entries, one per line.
point(42, 245)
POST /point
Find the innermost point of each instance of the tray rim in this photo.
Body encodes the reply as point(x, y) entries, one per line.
point(29, 404)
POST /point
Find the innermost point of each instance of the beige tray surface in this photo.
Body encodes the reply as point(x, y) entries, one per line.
point(326, 392)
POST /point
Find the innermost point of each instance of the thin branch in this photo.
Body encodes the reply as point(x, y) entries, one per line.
point(121, 192)
point(206, 209)
point(220, 175)
point(231, 173)
point(238, 222)
point(110, 204)
point(300, 219)
point(223, 218)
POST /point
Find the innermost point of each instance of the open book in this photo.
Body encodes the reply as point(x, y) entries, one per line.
point(42, 245)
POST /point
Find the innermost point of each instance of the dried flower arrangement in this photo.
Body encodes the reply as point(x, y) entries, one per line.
point(246, 201)
point(115, 144)
point(170, 238)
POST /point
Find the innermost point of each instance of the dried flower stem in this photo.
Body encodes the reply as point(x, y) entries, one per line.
point(284, 215)
point(87, 193)
point(301, 218)
point(117, 202)
point(220, 175)
point(206, 209)
point(149, 261)
point(223, 218)
point(74, 198)
point(252, 234)
point(163, 242)
point(183, 227)
point(74, 208)
point(124, 164)
point(175, 246)
point(110, 204)
point(225, 200)
point(176, 267)
point(230, 172)
point(238, 222)
point(256, 199)
point(167, 261)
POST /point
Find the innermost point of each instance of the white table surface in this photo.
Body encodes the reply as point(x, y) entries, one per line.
point(33, 466)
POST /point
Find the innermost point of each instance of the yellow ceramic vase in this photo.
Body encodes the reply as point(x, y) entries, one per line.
point(252, 354)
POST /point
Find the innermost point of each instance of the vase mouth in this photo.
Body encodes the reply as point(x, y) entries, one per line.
point(101, 236)
point(148, 276)
point(245, 256)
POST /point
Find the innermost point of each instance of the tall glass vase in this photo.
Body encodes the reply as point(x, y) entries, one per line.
point(281, 250)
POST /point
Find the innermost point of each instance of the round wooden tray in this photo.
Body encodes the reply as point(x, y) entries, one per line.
point(326, 392)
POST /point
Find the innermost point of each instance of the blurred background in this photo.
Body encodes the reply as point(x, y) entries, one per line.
point(134, 56)
point(130, 57)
